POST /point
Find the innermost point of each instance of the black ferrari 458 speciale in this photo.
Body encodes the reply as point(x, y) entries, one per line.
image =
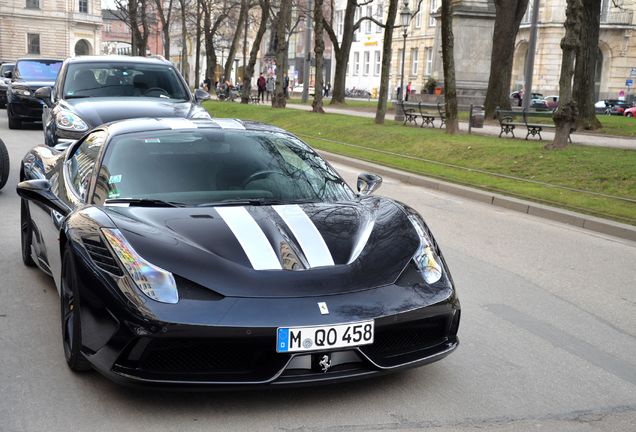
point(225, 252)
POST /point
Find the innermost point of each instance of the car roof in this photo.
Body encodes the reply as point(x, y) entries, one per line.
point(118, 59)
point(160, 124)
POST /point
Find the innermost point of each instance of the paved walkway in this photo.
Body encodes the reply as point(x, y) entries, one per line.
point(493, 130)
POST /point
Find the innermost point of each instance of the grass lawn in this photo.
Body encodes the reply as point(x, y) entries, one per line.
point(604, 179)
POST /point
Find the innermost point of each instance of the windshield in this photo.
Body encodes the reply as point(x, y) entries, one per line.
point(216, 167)
point(38, 70)
point(126, 79)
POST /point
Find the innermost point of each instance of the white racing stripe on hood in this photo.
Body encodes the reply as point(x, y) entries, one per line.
point(228, 123)
point(309, 239)
point(252, 239)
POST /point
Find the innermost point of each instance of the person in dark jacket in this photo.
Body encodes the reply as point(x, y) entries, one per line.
point(261, 84)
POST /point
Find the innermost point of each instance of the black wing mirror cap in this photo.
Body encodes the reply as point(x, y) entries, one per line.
point(368, 183)
point(39, 191)
point(43, 93)
point(201, 95)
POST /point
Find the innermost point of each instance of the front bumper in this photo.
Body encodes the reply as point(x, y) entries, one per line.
point(25, 108)
point(3, 96)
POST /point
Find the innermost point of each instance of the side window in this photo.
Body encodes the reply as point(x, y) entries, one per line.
point(80, 166)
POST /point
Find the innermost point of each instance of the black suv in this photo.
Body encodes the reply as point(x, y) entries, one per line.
point(91, 91)
point(6, 69)
point(29, 75)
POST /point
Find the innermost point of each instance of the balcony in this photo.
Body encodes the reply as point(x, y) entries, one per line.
point(621, 17)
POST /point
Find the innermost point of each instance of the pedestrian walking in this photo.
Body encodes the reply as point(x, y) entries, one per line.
point(286, 83)
point(269, 87)
point(327, 89)
point(261, 85)
point(408, 91)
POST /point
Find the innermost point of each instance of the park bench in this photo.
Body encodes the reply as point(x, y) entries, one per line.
point(441, 109)
point(509, 120)
point(254, 99)
point(413, 111)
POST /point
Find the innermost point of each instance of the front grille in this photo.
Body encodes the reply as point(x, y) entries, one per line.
point(204, 359)
point(393, 342)
point(101, 256)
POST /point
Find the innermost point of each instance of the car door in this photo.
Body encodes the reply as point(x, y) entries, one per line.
point(71, 185)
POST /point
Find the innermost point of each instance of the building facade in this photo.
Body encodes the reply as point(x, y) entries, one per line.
point(617, 48)
point(116, 35)
point(49, 28)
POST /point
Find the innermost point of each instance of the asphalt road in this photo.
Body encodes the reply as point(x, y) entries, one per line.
point(548, 341)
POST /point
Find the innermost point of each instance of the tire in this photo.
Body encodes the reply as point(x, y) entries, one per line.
point(626, 115)
point(4, 164)
point(14, 123)
point(70, 316)
point(26, 234)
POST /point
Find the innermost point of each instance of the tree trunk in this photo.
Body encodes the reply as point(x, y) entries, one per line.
point(185, 66)
point(262, 28)
point(387, 49)
point(341, 52)
point(235, 40)
point(282, 22)
point(507, 20)
point(565, 116)
point(165, 25)
point(450, 92)
point(319, 51)
point(197, 49)
point(585, 69)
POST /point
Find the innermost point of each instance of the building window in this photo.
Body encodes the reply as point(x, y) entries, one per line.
point(339, 23)
point(367, 62)
point(356, 63)
point(433, 9)
point(83, 6)
point(108, 28)
point(379, 16)
point(33, 43)
point(370, 15)
point(33, 4)
point(418, 19)
point(429, 61)
point(377, 63)
point(414, 61)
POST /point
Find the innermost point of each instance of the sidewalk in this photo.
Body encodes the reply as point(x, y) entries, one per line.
point(587, 139)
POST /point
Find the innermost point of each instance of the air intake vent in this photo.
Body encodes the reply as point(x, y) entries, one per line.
point(101, 256)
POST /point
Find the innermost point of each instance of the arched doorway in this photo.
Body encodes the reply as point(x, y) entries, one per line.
point(82, 47)
point(519, 66)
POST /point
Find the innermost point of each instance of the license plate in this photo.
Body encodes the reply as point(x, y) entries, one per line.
point(297, 339)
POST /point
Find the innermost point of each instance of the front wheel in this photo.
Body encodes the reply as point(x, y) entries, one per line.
point(70, 316)
point(4, 164)
point(626, 115)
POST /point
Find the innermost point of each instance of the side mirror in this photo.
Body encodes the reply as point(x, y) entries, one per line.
point(44, 94)
point(39, 191)
point(367, 183)
point(8, 74)
point(201, 95)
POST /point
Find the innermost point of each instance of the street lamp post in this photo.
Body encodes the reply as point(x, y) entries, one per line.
point(405, 17)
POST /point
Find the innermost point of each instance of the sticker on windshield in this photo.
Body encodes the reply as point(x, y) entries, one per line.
point(152, 140)
point(114, 179)
point(113, 194)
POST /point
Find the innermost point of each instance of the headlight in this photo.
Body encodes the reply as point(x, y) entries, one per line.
point(155, 282)
point(68, 121)
point(201, 115)
point(22, 92)
point(426, 258)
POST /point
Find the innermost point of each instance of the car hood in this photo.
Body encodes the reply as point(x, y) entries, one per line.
point(370, 242)
point(97, 111)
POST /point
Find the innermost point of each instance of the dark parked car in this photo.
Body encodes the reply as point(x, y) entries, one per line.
point(90, 91)
point(6, 69)
point(4, 164)
point(223, 252)
point(29, 75)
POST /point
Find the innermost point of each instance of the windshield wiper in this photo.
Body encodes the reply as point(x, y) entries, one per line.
point(143, 202)
point(253, 202)
point(76, 96)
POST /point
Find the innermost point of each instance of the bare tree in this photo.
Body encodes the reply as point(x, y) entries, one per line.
point(242, 16)
point(135, 15)
point(185, 66)
point(319, 51)
point(387, 50)
point(509, 14)
point(264, 6)
point(215, 13)
point(565, 116)
point(164, 10)
point(450, 92)
point(282, 22)
point(585, 68)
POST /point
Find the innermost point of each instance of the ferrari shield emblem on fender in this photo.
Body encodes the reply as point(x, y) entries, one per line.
point(324, 310)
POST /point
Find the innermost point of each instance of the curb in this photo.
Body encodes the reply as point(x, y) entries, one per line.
point(580, 220)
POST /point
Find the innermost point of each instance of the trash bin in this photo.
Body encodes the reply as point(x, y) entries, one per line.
point(477, 118)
